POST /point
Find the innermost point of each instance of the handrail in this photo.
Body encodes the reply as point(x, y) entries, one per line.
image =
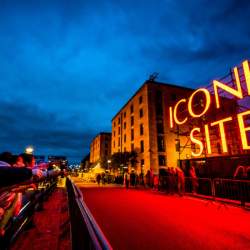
point(97, 239)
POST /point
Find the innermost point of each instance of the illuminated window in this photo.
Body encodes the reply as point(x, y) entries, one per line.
point(162, 160)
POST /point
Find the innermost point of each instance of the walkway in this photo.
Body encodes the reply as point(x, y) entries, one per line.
point(139, 219)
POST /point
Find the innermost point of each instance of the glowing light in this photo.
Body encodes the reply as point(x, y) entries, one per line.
point(236, 92)
point(247, 74)
point(171, 117)
point(243, 129)
point(196, 141)
point(222, 132)
point(175, 112)
point(207, 135)
point(208, 102)
point(29, 150)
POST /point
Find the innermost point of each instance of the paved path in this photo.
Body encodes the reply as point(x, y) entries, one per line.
point(139, 219)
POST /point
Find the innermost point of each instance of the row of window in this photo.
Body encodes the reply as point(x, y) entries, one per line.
point(119, 130)
point(131, 111)
point(132, 146)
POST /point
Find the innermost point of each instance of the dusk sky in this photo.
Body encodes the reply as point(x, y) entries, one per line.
point(67, 67)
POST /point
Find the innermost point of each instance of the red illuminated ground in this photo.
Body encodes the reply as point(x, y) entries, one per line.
point(138, 219)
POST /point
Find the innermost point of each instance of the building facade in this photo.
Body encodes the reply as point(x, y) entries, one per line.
point(142, 125)
point(100, 148)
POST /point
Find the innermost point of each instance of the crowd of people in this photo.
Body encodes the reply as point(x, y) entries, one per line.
point(19, 175)
point(173, 180)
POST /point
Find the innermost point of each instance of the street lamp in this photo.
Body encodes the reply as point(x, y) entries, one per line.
point(29, 150)
point(109, 161)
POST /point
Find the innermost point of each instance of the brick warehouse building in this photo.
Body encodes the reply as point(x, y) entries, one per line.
point(100, 148)
point(142, 125)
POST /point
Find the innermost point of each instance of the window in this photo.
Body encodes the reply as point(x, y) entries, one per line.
point(106, 152)
point(160, 143)
point(141, 113)
point(141, 129)
point(114, 133)
point(114, 143)
point(119, 130)
point(132, 120)
point(131, 109)
point(160, 129)
point(132, 134)
point(119, 142)
point(124, 138)
point(114, 124)
point(140, 100)
point(142, 163)
point(162, 160)
point(132, 146)
point(119, 120)
point(173, 97)
point(124, 125)
point(159, 109)
point(124, 114)
point(125, 150)
point(142, 146)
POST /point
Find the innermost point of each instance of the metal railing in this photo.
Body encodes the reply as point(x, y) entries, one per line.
point(235, 190)
point(35, 201)
point(85, 232)
point(227, 190)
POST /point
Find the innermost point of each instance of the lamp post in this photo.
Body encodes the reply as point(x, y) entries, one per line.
point(29, 150)
point(109, 161)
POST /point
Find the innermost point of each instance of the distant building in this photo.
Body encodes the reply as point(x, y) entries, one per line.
point(61, 161)
point(40, 158)
point(143, 125)
point(100, 148)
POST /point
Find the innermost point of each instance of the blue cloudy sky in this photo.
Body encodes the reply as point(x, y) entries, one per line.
point(67, 66)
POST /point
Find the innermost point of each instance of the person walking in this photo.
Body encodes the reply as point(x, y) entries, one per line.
point(180, 181)
point(98, 179)
point(194, 179)
point(126, 179)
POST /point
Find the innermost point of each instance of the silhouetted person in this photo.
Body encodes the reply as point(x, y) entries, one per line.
point(98, 179)
point(126, 179)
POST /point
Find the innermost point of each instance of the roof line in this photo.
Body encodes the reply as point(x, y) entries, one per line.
point(145, 83)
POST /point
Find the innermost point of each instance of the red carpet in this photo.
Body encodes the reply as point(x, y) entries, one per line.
point(134, 219)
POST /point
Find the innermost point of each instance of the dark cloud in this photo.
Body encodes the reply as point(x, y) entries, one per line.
point(24, 124)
